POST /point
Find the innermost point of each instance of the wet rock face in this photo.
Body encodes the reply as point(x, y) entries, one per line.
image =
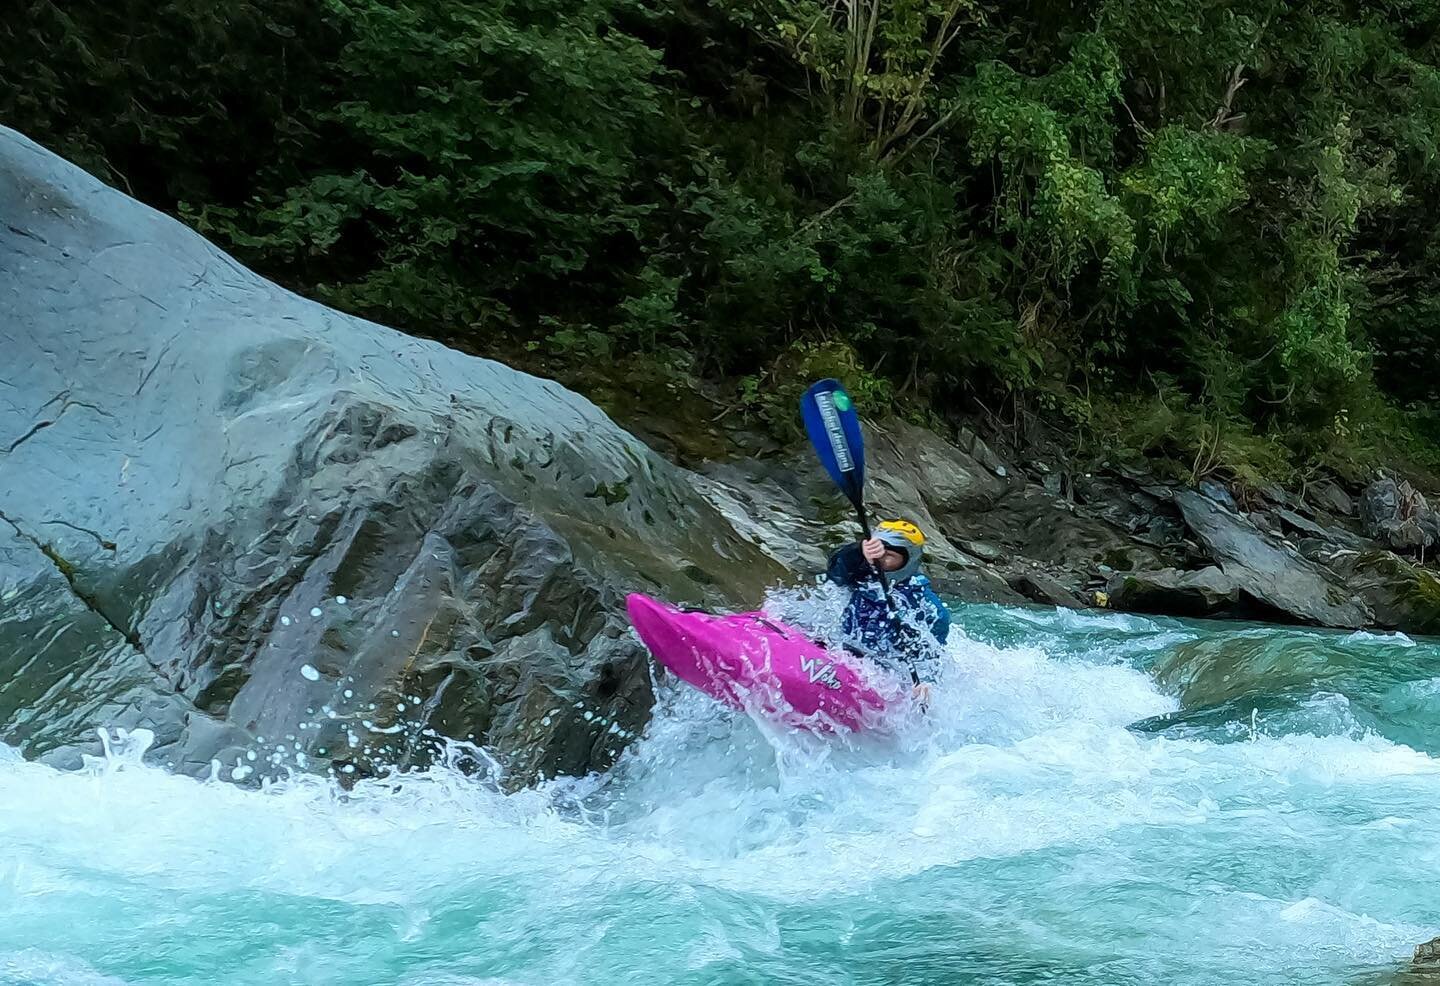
point(1041, 588)
point(227, 513)
point(1199, 593)
point(1268, 570)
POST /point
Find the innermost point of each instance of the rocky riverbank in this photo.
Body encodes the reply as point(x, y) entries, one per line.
point(1015, 525)
point(278, 536)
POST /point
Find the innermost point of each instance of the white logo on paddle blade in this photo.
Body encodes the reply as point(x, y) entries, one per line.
point(835, 432)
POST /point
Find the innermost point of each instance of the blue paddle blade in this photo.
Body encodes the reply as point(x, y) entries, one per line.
point(834, 430)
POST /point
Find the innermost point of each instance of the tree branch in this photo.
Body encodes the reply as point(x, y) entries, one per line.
point(945, 35)
point(933, 129)
point(1225, 115)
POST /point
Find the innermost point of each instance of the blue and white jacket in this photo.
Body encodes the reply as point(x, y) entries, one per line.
point(866, 622)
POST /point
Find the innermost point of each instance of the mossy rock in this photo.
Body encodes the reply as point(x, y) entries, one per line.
point(1403, 595)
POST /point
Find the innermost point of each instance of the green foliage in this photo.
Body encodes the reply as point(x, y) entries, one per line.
point(1199, 229)
point(480, 159)
point(1190, 441)
point(773, 397)
point(1187, 181)
point(177, 99)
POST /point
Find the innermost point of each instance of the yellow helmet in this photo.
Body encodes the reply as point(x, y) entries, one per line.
point(906, 530)
point(908, 540)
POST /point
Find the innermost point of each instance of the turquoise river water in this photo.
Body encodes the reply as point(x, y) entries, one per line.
point(1095, 798)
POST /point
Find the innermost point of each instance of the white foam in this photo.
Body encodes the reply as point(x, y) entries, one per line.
point(1396, 639)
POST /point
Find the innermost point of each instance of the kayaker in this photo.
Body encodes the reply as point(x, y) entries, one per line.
point(897, 547)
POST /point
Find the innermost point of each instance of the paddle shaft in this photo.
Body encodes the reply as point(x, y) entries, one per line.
point(901, 630)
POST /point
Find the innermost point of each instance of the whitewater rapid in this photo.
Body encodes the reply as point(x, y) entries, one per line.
point(1020, 833)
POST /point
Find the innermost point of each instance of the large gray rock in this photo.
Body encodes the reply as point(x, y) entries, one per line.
point(1380, 503)
point(1201, 593)
point(1326, 494)
point(945, 478)
point(1398, 516)
point(196, 466)
point(1268, 570)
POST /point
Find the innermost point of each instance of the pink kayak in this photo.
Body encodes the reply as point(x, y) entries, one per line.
point(753, 663)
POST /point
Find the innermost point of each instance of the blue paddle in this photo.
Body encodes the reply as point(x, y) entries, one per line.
point(834, 430)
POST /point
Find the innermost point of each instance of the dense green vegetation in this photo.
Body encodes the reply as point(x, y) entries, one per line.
point(1196, 228)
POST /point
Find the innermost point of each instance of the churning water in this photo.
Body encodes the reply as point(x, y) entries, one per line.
point(1093, 799)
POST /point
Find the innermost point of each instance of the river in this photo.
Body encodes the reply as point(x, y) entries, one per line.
point(1274, 817)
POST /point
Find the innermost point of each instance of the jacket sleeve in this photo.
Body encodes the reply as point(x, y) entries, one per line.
point(941, 627)
point(848, 566)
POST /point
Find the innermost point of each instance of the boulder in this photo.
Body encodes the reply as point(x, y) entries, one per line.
point(1402, 595)
point(1279, 496)
point(1291, 521)
point(1201, 593)
point(1428, 953)
point(1398, 516)
point(1380, 503)
point(1267, 570)
point(279, 536)
point(1326, 494)
point(1217, 491)
point(975, 447)
point(983, 550)
point(1041, 588)
point(1146, 514)
point(947, 479)
point(1424, 969)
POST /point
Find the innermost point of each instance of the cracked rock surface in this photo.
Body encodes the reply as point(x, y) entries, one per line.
point(260, 527)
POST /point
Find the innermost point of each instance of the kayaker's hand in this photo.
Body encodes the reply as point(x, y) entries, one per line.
point(873, 549)
point(921, 693)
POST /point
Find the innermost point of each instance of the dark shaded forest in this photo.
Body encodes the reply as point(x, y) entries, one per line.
point(1199, 231)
